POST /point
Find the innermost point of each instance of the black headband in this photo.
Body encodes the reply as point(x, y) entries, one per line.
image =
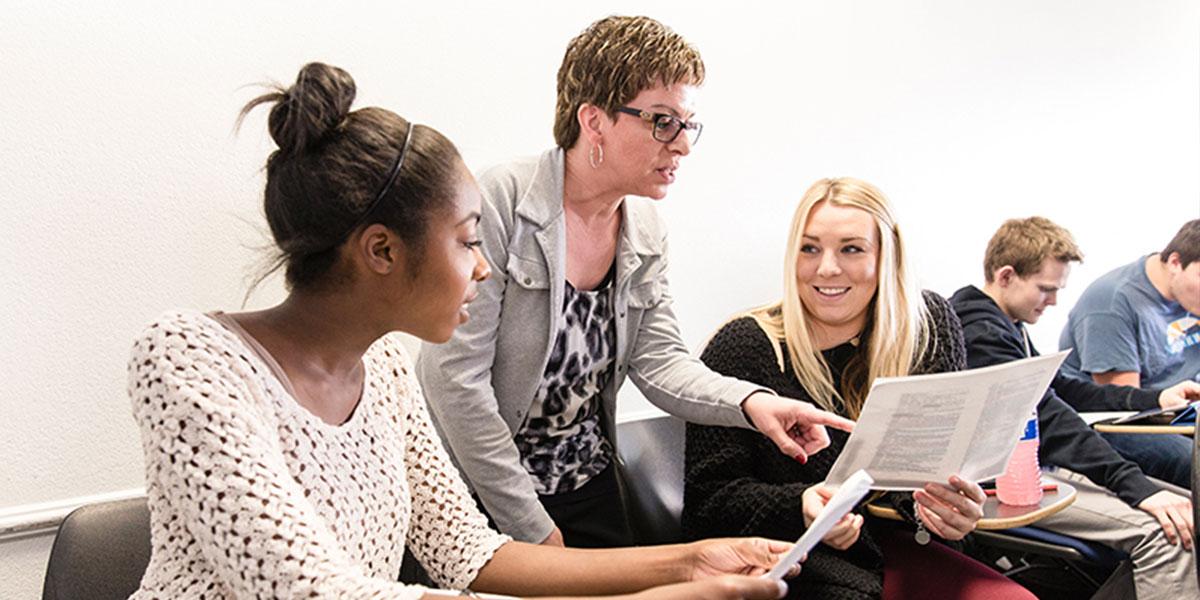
point(391, 180)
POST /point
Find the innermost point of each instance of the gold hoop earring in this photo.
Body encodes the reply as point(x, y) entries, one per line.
point(592, 153)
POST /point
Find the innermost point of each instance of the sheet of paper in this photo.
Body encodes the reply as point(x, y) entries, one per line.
point(923, 428)
point(460, 595)
point(844, 499)
point(1091, 418)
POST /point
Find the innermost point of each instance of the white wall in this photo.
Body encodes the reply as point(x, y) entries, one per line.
point(124, 191)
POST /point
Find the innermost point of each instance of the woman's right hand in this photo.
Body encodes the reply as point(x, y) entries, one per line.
point(845, 532)
point(951, 511)
point(796, 427)
point(725, 587)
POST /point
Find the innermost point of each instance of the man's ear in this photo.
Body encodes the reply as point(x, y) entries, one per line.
point(593, 123)
point(380, 250)
point(1005, 275)
point(1174, 263)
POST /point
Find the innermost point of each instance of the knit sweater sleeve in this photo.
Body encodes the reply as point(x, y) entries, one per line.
point(449, 536)
point(215, 460)
point(732, 485)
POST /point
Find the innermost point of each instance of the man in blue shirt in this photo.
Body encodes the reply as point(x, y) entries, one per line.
point(1137, 325)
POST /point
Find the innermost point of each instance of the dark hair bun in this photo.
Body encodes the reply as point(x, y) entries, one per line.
point(325, 180)
point(312, 108)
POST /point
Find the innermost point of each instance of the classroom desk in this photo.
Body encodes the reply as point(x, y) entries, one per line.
point(1145, 429)
point(1002, 516)
point(1093, 418)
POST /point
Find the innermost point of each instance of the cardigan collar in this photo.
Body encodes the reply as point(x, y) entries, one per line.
point(542, 204)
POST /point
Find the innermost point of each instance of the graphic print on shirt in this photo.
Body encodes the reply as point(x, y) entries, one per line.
point(1183, 333)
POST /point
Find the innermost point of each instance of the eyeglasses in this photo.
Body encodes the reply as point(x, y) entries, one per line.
point(666, 127)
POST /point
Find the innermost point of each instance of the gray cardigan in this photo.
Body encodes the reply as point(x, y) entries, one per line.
point(481, 384)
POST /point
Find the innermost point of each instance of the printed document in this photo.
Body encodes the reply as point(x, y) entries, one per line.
point(925, 428)
point(842, 501)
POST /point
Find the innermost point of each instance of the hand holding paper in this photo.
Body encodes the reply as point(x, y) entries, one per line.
point(842, 501)
point(845, 531)
point(950, 511)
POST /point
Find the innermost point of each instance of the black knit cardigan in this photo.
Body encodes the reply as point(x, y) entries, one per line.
point(738, 483)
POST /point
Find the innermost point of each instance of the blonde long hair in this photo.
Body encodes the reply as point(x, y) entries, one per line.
point(896, 321)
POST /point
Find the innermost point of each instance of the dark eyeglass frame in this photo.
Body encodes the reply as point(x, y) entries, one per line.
point(661, 122)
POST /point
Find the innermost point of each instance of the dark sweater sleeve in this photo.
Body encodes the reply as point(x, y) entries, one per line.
point(1066, 441)
point(1086, 396)
point(729, 486)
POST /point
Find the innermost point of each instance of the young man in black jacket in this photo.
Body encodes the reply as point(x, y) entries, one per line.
point(1026, 263)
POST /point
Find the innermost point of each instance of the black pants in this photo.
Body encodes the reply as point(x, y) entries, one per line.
point(592, 516)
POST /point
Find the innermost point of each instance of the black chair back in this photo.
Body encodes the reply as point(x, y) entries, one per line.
point(100, 552)
point(651, 453)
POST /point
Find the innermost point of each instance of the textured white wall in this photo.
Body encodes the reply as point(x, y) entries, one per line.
point(124, 191)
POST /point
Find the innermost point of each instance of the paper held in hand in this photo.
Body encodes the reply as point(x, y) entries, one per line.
point(923, 428)
point(842, 501)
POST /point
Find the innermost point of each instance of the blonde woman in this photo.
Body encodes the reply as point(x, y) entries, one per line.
point(851, 312)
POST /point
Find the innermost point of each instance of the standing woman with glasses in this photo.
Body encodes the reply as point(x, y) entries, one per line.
point(525, 393)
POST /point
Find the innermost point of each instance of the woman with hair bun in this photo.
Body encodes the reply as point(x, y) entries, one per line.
point(288, 451)
point(527, 391)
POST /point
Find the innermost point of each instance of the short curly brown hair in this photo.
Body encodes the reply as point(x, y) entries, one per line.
point(1024, 244)
point(614, 59)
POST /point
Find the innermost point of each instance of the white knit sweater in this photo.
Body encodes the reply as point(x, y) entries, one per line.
point(253, 496)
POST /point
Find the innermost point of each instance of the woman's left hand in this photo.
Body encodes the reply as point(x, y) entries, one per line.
point(737, 556)
point(950, 511)
point(797, 427)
